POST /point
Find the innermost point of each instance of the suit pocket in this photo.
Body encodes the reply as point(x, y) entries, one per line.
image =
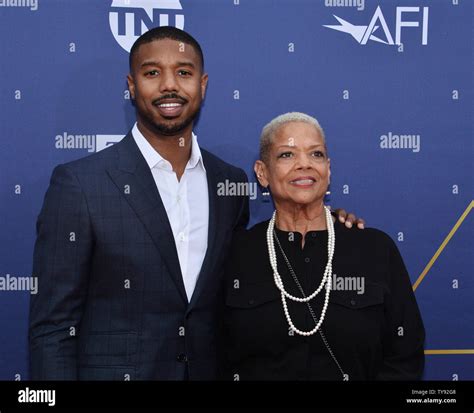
point(116, 373)
point(109, 349)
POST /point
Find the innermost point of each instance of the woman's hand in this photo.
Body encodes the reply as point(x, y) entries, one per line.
point(348, 219)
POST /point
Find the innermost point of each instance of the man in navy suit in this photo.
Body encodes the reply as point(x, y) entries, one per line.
point(131, 240)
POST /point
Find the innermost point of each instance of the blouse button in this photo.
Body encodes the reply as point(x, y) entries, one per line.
point(306, 260)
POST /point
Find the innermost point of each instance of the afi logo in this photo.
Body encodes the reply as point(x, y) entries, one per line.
point(129, 19)
point(365, 33)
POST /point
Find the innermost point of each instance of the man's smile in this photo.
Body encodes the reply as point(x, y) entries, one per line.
point(170, 107)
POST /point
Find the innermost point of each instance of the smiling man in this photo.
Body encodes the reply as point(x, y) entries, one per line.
point(167, 83)
point(132, 240)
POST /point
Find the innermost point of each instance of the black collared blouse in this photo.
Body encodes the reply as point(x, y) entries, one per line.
point(372, 324)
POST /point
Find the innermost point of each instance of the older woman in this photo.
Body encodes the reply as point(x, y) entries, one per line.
point(306, 297)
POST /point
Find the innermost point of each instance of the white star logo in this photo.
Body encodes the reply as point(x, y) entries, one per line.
point(357, 32)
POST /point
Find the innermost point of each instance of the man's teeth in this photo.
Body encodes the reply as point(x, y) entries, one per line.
point(303, 182)
point(169, 105)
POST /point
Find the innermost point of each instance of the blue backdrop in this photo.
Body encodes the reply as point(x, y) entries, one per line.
point(389, 80)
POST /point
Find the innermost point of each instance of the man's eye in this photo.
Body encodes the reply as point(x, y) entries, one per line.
point(152, 73)
point(184, 73)
point(285, 155)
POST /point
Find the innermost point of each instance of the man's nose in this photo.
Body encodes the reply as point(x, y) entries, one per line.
point(168, 82)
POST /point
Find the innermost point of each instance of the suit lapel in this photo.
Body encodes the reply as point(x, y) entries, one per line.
point(214, 176)
point(135, 180)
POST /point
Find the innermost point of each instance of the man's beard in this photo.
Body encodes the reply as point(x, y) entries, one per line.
point(175, 128)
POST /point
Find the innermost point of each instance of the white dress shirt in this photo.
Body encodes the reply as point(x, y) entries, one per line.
point(187, 205)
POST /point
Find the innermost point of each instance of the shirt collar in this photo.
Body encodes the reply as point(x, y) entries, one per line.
point(153, 158)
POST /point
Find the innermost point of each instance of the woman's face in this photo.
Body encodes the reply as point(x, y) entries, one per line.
point(297, 169)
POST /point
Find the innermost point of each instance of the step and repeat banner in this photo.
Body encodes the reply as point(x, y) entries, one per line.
point(389, 80)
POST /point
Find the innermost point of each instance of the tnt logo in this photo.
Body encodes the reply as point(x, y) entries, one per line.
point(129, 19)
point(363, 33)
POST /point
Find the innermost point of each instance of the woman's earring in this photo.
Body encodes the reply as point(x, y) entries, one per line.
point(266, 194)
point(265, 191)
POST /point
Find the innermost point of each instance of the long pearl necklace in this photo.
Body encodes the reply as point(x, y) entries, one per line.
point(325, 282)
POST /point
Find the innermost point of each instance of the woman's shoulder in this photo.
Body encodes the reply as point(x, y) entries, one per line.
point(370, 235)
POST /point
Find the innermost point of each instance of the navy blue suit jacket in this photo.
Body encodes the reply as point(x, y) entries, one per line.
point(111, 302)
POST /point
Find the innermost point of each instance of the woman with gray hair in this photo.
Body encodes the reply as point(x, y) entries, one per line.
point(306, 297)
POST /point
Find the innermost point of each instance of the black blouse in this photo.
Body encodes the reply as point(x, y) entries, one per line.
point(372, 324)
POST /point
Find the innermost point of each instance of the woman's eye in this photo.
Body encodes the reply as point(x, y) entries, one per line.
point(318, 154)
point(285, 155)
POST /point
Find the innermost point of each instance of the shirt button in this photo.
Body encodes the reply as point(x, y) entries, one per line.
point(251, 302)
point(314, 234)
point(353, 302)
point(182, 358)
point(181, 237)
point(306, 260)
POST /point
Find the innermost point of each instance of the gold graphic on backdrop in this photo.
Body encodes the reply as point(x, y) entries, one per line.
point(430, 264)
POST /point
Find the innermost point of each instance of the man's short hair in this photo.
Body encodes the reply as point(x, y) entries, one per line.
point(165, 32)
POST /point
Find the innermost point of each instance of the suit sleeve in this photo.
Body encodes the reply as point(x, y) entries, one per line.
point(404, 335)
point(61, 261)
point(244, 212)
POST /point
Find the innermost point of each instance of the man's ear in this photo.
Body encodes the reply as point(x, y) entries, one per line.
point(204, 80)
point(261, 172)
point(131, 86)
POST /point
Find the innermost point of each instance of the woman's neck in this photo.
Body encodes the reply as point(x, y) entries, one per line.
point(301, 218)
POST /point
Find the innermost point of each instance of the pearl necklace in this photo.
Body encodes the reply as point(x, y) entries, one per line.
point(326, 280)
